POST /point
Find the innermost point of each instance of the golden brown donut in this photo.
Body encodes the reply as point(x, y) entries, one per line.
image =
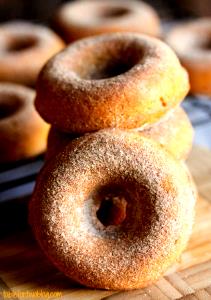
point(174, 132)
point(114, 210)
point(23, 133)
point(87, 18)
point(24, 49)
point(121, 80)
point(191, 41)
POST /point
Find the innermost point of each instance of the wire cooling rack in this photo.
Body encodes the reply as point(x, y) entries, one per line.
point(198, 109)
point(17, 182)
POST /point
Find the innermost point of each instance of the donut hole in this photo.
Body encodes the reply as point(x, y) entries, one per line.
point(106, 60)
point(111, 69)
point(21, 44)
point(207, 45)
point(113, 12)
point(112, 210)
point(99, 12)
point(9, 106)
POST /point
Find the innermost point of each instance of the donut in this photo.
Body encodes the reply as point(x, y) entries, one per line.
point(112, 80)
point(174, 132)
point(113, 210)
point(23, 133)
point(191, 41)
point(24, 49)
point(88, 18)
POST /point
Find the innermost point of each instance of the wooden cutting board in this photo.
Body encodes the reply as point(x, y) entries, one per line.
point(24, 269)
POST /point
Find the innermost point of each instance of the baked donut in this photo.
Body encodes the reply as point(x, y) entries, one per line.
point(24, 49)
point(112, 80)
point(191, 41)
point(88, 18)
point(113, 210)
point(174, 132)
point(23, 133)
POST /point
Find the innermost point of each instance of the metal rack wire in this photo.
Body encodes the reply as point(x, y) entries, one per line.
point(199, 112)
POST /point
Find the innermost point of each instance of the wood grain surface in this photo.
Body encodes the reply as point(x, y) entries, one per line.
point(24, 269)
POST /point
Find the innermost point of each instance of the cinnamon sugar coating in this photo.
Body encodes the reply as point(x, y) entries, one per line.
point(160, 199)
point(174, 132)
point(192, 42)
point(88, 18)
point(117, 80)
point(23, 133)
point(24, 49)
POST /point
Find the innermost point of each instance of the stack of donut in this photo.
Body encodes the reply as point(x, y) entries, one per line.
point(24, 49)
point(113, 207)
point(114, 81)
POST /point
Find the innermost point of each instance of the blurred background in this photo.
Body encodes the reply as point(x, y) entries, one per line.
point(39, 10)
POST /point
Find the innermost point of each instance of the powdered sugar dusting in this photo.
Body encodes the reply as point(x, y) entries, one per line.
point(159, 217)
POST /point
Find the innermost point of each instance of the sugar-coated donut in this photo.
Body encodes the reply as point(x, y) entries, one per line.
point(23, 133)
point(87, 18)
point(113, 210)
point(174, 132)
point(191, 41)
point(24, 49)
point(119, 80)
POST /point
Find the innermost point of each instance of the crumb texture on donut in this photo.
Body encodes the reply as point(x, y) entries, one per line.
point(174, 132)
point(153, 200)
point(110, 81)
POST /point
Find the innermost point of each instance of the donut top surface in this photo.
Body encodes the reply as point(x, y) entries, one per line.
point(152, 197)
point(85, 18)
point(114, 80)
point(24, 49)
point(20, 37)
point(192, 40)
point(107, 11)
